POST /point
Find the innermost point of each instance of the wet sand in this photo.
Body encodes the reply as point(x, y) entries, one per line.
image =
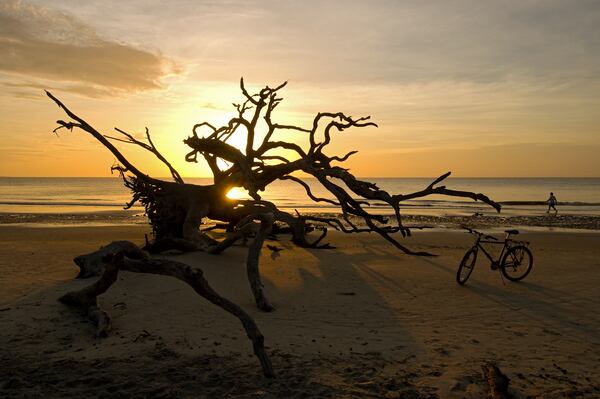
point(435, 218)
point(359, 321)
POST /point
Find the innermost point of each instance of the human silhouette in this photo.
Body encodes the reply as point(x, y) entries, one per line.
point(552, 204)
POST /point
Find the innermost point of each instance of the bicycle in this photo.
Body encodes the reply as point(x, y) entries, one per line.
point(515, 260)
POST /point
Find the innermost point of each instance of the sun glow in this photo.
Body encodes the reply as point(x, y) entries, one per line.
point(238, 193)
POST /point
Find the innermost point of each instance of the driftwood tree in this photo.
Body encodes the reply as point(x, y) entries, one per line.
point(176, 209)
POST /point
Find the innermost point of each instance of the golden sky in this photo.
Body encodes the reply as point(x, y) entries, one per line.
point(505, 88)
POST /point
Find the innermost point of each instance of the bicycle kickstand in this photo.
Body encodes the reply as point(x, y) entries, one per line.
point(501, 276)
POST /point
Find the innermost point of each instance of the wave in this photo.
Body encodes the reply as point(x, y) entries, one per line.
point(452, 204)
point(64, 203)
point(573, 203)
point(289, 203)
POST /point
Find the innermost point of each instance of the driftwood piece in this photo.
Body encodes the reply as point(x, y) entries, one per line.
point(244, 229)
point(86, 299)
point(497, 382)
point(93, 264)
point(256, 285)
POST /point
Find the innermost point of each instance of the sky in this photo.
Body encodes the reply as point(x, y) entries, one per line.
point(479, 88)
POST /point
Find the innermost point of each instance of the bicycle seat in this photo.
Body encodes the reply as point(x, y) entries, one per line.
point(515, 232)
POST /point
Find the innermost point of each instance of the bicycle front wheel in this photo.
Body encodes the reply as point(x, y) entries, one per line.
point(517, 263)
point(466, 266)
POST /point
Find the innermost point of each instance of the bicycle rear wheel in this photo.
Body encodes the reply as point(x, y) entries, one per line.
point(517, 263)
point(466, 266)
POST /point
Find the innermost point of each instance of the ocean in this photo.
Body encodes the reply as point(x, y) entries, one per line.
point(519, 196)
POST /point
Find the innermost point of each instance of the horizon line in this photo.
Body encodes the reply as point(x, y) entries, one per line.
point(311, 177)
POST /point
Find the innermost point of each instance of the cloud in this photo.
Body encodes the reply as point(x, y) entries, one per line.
point(39, 43)
point(344, 42)
point(33, 90)
point(401, 42)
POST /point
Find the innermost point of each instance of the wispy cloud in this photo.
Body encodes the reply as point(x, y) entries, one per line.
point(388, 42)
point(39, 43)
point(32, 89)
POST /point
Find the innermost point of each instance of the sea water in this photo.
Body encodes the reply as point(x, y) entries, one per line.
point(522, 196)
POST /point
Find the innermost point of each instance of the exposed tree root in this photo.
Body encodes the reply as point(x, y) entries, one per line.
point(93, 264)
point(266, 222)
point(86, 299)
point(244, 230)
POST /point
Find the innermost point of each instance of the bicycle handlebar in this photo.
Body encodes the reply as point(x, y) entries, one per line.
point(480, 234)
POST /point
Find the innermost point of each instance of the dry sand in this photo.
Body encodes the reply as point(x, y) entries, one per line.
point(359, 321)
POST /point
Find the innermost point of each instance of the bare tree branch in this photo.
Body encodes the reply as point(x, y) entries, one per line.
point(308, 191)
point(149, 147)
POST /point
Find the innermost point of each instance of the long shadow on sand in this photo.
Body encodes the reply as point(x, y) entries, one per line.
point(554, 310)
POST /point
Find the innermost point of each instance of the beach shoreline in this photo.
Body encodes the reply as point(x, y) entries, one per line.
point(480, 220)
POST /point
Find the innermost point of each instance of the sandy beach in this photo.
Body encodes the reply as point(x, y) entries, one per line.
point(362, 320)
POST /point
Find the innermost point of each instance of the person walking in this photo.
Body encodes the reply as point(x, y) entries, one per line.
point(552, 203)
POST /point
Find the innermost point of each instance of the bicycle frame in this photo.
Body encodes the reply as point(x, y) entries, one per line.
point(506, 244)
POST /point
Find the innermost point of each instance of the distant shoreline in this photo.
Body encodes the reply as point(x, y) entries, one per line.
point(413, 203)
point(136, 217)
point(101, 200)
